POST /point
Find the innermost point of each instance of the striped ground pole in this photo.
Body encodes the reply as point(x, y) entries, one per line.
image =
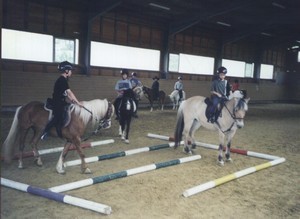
point(118, 154)
point(101, 208)
point(216, 147)
point(130, 172)
point(230, 177)
point(59, 149)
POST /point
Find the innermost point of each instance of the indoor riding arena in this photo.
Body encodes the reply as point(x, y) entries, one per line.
point(146, 176)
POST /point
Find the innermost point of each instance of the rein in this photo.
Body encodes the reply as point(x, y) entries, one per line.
point(104, 122)
point(232, 114)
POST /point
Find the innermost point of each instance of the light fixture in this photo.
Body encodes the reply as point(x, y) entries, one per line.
point(278, 5)
point(223, 24)
point(266, 34)
point(159, 6)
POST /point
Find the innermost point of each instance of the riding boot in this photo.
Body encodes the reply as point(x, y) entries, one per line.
point(47, 129)
point(58, 130)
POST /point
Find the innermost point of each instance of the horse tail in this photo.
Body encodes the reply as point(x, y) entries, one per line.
point(10, 141)
point(179, 126)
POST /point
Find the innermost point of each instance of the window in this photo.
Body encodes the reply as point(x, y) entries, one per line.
point(266, 71)
point(238, 68)
point(66, 50)
point(109, 55)
point(192, 64)
point(22, 45)
point(173, 62)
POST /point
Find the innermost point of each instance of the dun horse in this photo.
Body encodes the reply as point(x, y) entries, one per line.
point(174, 96)
point(191, 115)
point(149, 95)
point(34, 116)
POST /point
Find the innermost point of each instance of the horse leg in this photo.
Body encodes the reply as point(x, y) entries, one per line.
point(23, 135)
point(127, 129)
point(84, 168)
point(188, 129)
point(151, 105)
point(60, 168)
point(228, 140)
point(34, 142)
point(222, 140)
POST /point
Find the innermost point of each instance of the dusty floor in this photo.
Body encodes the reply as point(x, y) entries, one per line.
point(270, 193)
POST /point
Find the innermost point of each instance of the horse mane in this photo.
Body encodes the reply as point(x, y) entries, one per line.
point(97, 107)
point(241, 104)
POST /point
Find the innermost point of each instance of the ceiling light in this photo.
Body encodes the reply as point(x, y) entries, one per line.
point(159, 6)
point(224, 24)
point(278, 5)
point(266, 34)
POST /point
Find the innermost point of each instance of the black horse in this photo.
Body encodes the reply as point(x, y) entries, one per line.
point(148, 92)
point(126, 110)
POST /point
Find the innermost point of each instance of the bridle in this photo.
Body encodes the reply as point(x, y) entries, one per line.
point(233, 116)
point(102, 123)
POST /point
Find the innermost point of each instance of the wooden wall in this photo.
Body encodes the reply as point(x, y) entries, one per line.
point(23, 81)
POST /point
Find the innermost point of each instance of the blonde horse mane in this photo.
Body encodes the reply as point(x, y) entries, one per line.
point(96, 109)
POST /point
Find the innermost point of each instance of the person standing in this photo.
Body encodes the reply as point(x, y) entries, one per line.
point(219, 91)
point(61, 93)
point(121, 85)
point(155, 88)
point(179, 86)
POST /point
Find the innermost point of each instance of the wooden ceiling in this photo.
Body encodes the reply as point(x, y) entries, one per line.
point(273, 22)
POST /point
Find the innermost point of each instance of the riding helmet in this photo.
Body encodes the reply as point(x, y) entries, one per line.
point(63, 66)
point(179, 78)
point(133, 74)
point(222, 70)
point(124, 71)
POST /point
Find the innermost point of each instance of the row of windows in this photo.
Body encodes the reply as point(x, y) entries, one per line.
point(22, 45)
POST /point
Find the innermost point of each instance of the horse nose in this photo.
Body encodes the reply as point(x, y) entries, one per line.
point(240, 124)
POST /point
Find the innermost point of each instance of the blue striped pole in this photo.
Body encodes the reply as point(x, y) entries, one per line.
point(125, 173)
point(119, 154)
point(57, 196)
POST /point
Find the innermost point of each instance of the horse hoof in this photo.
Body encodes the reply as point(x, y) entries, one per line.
point(86, 171)
point(122, 137)
point(126, 141)
point(229, 160)
point(38, 162)
point(220, 162)
point(60, 171)
point(21, 166)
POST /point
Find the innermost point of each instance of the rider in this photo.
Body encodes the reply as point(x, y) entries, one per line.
point(179, 86)
point(155, 88)
point(121, 85)
point(135, 82)
point(220, 89)
point(61, 92)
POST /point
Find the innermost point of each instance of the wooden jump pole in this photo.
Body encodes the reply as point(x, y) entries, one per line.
point(59, 149)
point(125, 173)
point(118, 154)
point(216, 147)
point(230, 177)
point(57, 196)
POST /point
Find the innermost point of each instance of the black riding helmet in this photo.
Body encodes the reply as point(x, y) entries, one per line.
point(222, 70)
point(63, 66)
point(124, 71)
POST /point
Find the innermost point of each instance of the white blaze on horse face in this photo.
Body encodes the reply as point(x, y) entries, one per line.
point(240, 114)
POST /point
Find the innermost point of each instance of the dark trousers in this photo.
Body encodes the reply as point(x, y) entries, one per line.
point(57, 120)
point(180, 94)
point(215, 101)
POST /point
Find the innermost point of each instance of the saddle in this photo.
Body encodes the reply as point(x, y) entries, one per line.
point(218, 111)
point(48, 106)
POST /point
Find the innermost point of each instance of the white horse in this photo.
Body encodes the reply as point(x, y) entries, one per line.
point(174, 96)
point(191, 116)
point(139, 93)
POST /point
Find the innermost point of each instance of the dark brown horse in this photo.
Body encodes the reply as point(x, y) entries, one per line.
point(33, 116)
point(148, 93)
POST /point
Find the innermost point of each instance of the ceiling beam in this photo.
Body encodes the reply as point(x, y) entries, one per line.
point(206, 14)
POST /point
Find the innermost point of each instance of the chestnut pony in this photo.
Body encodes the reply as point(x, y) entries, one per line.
point(33, 116)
